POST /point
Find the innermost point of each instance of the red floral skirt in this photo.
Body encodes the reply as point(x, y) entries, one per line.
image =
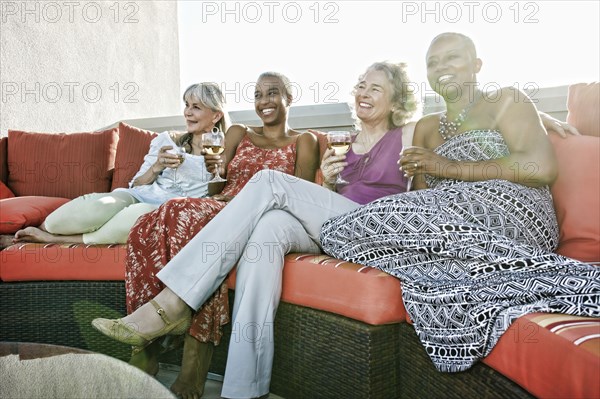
point(156, 238)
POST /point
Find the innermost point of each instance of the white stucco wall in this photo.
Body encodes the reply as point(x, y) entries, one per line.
point(69, 66)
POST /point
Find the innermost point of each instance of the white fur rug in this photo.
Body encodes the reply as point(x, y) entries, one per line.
point(76, 376)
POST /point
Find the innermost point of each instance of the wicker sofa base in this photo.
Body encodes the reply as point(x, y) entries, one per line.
point(60, 313)
point(324, 355)
point(317, 354)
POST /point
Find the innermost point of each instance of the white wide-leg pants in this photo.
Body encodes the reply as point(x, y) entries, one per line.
point(274, 214)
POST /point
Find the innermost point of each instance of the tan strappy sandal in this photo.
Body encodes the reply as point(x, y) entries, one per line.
point(127, 333)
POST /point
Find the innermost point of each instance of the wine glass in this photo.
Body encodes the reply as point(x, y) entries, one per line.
point(180, 152)
point(410, 179)
point(340, 142)
point(214, 144)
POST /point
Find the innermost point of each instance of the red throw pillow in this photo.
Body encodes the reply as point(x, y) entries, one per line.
point(576, 193)
point(61, 165)
point(5, 192)
point(583, 103)
point(19, 212)
point(4, 159)
point(133, 145)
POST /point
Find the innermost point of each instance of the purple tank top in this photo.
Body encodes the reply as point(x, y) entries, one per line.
point(375, 174)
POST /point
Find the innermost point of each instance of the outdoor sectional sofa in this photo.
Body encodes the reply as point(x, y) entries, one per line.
point(341, 330)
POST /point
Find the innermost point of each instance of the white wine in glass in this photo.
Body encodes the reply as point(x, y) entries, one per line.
point(340, 142)
point(214, 144)
point(214, 149)
point(180, 153)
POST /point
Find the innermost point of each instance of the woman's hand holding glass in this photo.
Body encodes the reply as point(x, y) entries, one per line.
point(339, 143)
point(214, 163)
point(213, 144)
point(409, 163)
point(331, 166)
point(168, 157)
point(176, 158)
point(418, 160)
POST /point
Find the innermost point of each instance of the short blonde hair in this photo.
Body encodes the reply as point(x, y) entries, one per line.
point(404, 101)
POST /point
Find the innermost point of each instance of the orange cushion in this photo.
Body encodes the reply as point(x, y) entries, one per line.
point(576, 192)
point(360, 292)
point(583, 104)
point(36, 262)
point(324, 283)
point(133, 145)
point(551, 355)
point(5, 191)
point(61, 165)
point(19, 212)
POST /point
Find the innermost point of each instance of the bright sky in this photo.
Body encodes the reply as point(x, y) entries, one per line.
point(323, 46)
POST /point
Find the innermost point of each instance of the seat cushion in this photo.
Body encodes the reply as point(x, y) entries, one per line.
point(315, 281)
point(359, 292)
point(37, 262)
point(61, 165)
point(551, 355)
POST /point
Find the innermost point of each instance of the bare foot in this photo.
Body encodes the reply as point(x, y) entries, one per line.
point(6, 241)
point(194, 368)
point(34, 234)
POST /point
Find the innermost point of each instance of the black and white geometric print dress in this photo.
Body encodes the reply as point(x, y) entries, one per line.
point(472, 256)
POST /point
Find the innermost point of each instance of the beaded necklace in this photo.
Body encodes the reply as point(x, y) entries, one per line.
point(449, 129)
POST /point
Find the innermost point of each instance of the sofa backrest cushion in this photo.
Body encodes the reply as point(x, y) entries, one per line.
point(576, 194)
point(583, 104)
point(4, 159)
point(133, 145)
point(61, 165)
point(20, 212)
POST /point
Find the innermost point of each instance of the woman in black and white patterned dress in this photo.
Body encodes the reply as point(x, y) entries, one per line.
point(473, 242)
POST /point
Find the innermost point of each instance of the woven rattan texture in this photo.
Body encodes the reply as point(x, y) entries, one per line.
point(317, 354)
point(420, 379)
point(60, 313)
point(324, 355)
